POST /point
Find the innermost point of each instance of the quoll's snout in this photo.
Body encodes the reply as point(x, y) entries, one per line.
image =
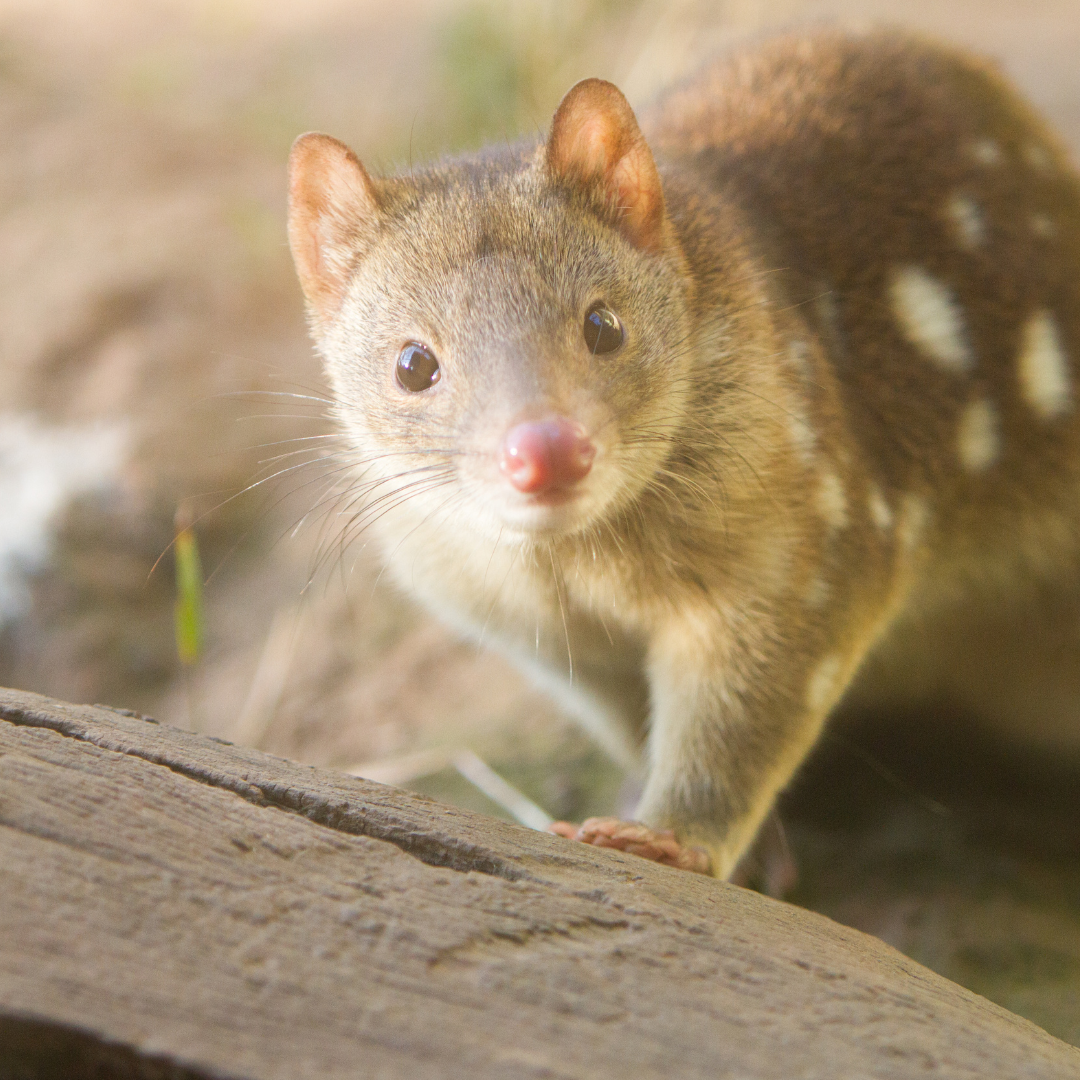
point(545, 455)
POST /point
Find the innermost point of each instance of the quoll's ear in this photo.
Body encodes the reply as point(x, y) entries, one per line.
point(595, 139)
point(332, 203)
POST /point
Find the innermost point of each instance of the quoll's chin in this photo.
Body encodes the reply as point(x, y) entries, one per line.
point(546, 515)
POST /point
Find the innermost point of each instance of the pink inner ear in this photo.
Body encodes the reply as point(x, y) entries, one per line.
point(596, 147)
point(332, 203)
point(627, 181)
point(595, 138)
point(635, 184)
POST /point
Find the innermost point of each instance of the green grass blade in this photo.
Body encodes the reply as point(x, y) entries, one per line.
point(190, 624)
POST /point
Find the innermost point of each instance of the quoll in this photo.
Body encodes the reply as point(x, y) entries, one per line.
point(713, 422)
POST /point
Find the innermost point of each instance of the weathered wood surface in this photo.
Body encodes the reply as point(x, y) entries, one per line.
point(175, 907)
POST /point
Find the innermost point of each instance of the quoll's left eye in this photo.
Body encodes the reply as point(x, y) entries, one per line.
point(603, 331)
point(417, 368)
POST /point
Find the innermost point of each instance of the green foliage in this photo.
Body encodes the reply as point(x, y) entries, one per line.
point(502, 68)
point(485, 73)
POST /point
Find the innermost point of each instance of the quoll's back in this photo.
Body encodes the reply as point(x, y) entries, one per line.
point(717, 437)
point(925, 224)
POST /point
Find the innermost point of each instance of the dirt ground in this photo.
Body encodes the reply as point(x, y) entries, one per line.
point(145, 289)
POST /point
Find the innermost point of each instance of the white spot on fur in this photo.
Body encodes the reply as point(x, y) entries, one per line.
point(817, 592)
point(821, 690)
point(1042, 226)
point(799, 355)
point(802, 435)
point(1044, 368)
point(930, 318)
point(967, 220)
point(1038, 157)
point(880, 512)
point(914, 517)
point(977, 439)
point(832, 502)
point(986, 152)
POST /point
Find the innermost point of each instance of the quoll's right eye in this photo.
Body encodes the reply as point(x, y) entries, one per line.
point(417, 368)
point(603, 331)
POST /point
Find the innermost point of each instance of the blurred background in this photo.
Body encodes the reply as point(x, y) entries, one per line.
point(154, 364)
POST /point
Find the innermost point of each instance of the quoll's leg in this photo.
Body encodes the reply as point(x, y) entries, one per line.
point(727, 734)
point(732, 721)
point(657, 845)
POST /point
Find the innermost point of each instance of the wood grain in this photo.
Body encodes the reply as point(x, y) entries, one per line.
point(173, 906)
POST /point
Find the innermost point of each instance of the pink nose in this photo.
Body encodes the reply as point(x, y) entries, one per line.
point(543, 455)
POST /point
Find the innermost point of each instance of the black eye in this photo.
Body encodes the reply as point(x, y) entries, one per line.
point(603, 331)
point(417, 368)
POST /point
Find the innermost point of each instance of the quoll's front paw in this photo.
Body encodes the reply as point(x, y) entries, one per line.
point(659, 845)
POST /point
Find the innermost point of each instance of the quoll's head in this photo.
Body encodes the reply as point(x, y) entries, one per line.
point(504, 333)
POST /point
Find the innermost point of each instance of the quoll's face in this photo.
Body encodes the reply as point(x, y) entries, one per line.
point(504, 366)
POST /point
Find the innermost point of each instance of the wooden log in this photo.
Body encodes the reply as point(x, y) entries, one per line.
point(172, 906)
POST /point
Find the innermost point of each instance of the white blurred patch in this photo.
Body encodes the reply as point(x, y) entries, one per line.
point(1043, 226)
point(914, 518)
point(930, 318)
point(42, 468)
point(986, 152)
point(978, 436)
point(1045, 379)
point(880, 511)
point(822, 689)
point(967, 220)
point(832, 501)
point(802, 434)
point(817, 592)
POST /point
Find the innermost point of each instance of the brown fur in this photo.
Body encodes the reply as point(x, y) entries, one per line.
point(815, 453)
